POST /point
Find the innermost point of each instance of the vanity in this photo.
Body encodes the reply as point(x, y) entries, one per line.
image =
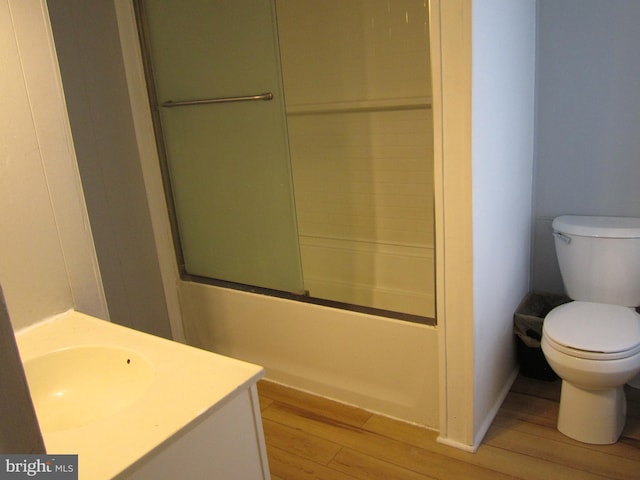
point(135, 406)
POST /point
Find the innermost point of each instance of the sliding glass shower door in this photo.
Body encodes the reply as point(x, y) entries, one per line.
point(220, 105)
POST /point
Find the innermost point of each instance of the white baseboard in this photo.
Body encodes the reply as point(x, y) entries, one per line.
point(488, 420)
point(455, 444)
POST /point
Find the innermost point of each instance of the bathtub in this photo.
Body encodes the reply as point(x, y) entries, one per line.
point(132, 405)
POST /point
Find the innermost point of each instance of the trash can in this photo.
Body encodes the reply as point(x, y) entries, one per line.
point(527, 327)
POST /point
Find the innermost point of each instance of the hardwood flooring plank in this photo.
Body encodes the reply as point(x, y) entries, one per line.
point(632, 430)
point(531, 409)
point(365, 467)
point(299, 442)
point(537, 388)
point(537, 401)
point(406, 432)
point(551, 391)
point(322, 406)
point(623, 448)
point(384, 448)
point(310, 437)
point(264, 402)
point(559, 452)
point(291, 467)
point(516, 463)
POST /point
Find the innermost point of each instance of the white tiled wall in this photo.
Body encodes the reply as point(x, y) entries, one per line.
point(47, 258)
point(336, 50)
point(357, 89)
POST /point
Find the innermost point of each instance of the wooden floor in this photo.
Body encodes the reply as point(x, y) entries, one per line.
point(313, 438)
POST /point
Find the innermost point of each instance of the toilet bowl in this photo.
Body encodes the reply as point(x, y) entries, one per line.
point(595, 349)
point(593, 343)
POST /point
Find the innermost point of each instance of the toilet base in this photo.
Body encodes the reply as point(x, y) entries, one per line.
point(592, 416)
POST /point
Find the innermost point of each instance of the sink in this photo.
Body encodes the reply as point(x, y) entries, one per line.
point(76, 386)
point(133, 405)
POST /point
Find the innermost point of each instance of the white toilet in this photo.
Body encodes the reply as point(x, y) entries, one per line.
point(593, 343)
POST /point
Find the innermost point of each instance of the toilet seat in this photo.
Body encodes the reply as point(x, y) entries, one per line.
point(594, 331)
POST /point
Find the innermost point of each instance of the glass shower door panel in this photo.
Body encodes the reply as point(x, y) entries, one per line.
point(228, 163)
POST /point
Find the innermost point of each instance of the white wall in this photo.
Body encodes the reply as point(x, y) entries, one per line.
point(503, 146)
point(485, 81)
point(588, 112)
point(47, 260)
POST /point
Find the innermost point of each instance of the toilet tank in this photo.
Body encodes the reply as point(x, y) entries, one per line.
point(599, 258)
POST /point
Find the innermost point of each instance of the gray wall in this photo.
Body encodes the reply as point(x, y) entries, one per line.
point(19, 429)
point(588, 118)
point(88, 47)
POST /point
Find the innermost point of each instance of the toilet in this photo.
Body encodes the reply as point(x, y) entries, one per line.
point(593, 343)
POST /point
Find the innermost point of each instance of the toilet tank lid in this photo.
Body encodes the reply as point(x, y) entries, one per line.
point(606, 227)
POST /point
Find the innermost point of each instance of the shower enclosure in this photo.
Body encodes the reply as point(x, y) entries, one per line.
point(297, 145)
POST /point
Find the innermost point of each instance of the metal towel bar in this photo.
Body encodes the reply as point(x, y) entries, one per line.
point(204, 101)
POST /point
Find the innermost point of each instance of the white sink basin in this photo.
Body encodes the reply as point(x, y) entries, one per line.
point(79, 385)
point(113, 395)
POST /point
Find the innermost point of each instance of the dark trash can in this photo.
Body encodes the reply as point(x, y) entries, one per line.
point(527, 327)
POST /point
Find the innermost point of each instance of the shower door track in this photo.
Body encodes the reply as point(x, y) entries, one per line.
point(306, 298)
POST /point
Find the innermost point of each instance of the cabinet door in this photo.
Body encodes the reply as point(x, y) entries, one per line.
point(227, 444)
point(228, 162)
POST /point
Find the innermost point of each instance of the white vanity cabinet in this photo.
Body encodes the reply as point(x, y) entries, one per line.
point(188, 414)
point(227, 444)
